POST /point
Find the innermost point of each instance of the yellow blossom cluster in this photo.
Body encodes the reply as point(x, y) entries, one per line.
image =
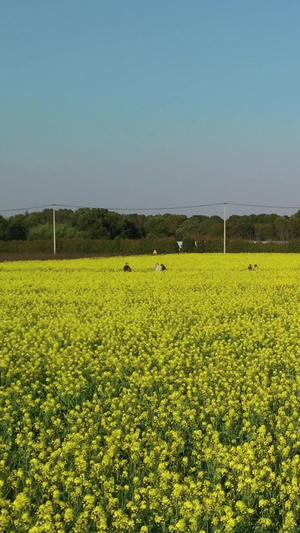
point(150, 402)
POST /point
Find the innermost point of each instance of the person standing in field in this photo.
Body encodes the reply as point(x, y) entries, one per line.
point(163, 267)
point(157, 266)
point(127, 268)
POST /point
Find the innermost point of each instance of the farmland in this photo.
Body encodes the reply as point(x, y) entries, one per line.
point(150, 401)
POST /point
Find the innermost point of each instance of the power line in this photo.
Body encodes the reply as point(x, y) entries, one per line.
point(25, 208)
point(266, 206)
point(111, 208)
point(141, 208)
point(179, 207)
point(133, 209)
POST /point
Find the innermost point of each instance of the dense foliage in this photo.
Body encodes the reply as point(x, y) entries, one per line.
point(104, 224)
point(149, 402)
point(92, 246)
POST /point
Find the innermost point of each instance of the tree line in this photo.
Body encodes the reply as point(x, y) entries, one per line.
point(103, 224)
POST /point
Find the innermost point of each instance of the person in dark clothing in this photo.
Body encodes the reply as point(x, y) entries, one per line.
point(127, 268)
point(250, 267)
point(163, 267)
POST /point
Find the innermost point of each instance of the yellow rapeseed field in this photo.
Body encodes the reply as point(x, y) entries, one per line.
point(150, 402)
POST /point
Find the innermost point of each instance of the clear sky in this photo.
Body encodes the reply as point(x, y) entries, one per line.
point(150, 103)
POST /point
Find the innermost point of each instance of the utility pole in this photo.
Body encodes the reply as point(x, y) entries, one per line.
point(224, 238)
point(54, 231)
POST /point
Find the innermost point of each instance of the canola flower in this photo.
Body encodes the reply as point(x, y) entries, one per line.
point(152, 401)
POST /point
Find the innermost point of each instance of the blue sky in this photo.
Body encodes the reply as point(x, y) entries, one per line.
point(132, 104)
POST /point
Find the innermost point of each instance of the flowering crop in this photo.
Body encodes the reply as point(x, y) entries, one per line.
point(150, 402)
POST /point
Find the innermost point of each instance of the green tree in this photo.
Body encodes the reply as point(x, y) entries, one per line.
point(190, 227)
point(4, 231)
point(295, 225)
point(283, 228)
point(164, 225)
point(63, 216)
point(264, 232)
point(90, 223)
point(241, 227)
point(188, 245)
point(41, 232)
point(212, 226)
point(139, 224)
point(17, 228)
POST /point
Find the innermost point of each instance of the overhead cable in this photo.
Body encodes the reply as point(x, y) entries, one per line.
point(134, 209)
